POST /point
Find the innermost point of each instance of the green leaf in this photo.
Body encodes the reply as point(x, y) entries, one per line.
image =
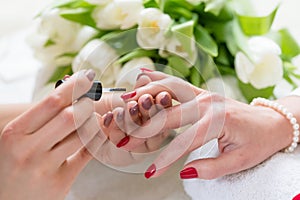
point(72, 4)
point(68, 54)
point(79, 15)
point(205, 41)
point(250, 92)
point(256, 25)
point(49, 43)
point(215, 6)
point(122, 41)
point(137, 54)
point(289, 46)
point(150, 4)
point(195, 77)
point(180, 65)
point(59, 73)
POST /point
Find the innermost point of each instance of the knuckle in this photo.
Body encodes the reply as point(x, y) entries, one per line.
point(8, 132)
point(68, 115)
point(55, 100)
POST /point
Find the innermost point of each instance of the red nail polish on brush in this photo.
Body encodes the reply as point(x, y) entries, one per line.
point(188, 173)
point(128, 95)
point(150, 171)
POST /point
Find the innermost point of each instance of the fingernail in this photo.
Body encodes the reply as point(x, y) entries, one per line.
point(128, 95)
point(120, 116)
point(123, 142)
point(297, 197)
point(90, 74)
point(188, 173)
point(66, 77)
point(134, 110)
point(150, 171)
point(147, 103)
point(139, 76)
point(165, 100)
point(108, 118)
point(143, 69)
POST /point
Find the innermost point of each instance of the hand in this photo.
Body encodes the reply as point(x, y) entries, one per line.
point(126, 119)
point(246, 135)
point(40, 151)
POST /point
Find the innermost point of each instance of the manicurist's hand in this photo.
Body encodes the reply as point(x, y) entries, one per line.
point(247, 135)
point(41, 152)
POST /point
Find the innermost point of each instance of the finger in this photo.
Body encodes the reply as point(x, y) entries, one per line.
point(184, 143)
point(71, 168)
point(137, 144)
point(75, 141)
point(142, 80)
point(65, 122)
point(131, 116)
point(115, 134)
point(146, 107)
point(227, 163)
point(178, 88)
point(63, 96)
point(65, 148)
point(163, 100)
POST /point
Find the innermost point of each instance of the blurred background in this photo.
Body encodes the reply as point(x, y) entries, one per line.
point(18, 68)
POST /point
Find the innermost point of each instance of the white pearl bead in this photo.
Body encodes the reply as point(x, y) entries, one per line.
point(293, 120)
point(296, 139)
point(282, 110)
point(294, 145)
point(289, 115)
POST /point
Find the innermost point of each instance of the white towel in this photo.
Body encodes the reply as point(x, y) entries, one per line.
point(278, 178)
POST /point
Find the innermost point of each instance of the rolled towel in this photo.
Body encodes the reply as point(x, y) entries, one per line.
point(274, 179)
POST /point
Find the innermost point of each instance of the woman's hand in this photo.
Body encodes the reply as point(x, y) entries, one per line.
point(122, 120)
point(40, 151)
point(246, 135)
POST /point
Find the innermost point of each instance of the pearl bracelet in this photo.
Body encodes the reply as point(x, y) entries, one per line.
point(282, 110)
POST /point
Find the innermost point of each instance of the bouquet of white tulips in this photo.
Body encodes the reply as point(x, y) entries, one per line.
point(202, 41)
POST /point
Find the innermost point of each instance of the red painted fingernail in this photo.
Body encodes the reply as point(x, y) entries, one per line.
point(123, 142)
point(150, 171)
point(128, 95)
point(297, 197)
point(143, 69)
point(188, 173)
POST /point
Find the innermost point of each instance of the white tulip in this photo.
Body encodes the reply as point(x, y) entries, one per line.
point(65, 37)
point(226, 86)
point(99, 56)
point(174, 46)
point(98, 2)
point(119, 14)
point(130, 71)
point(152, 26)
point(264, 69)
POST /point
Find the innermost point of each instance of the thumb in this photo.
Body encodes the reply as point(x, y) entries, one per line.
point(211, 168)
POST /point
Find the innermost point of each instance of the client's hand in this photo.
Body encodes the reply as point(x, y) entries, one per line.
point(246, 135)
point(122, 120)
point(40, 151)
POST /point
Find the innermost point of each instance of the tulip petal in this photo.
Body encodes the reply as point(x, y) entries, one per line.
point(243, 67)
